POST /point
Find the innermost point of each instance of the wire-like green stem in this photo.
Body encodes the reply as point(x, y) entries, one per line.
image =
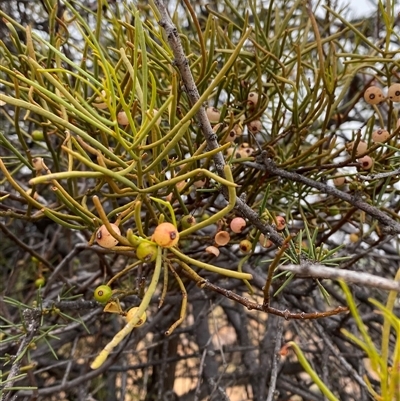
point(386, 329)
point(100, 359)
point(60, 121)
point(184, 302)
point(222, 213)
point(173, 142)
point(168, 206)
point(211, 268)
point(314, 376)
point(123, 272)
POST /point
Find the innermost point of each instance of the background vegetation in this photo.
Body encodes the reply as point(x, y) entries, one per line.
point(105, 119)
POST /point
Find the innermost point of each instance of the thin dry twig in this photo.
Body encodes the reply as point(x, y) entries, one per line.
point(221, 392)
point(391, 226)
point(57, 389)
point(361, 278)
point(271, 269)
point(378, 176)
point(251, 305)
point(64, 262)
point(25, 247)
point(275, 356)
point(334, 351)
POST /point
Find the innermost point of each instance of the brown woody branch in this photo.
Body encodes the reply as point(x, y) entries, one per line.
point(251, 305)
point(391, 226)
point(182, 63)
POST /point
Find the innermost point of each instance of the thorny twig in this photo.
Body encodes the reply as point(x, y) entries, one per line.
point(32, 324)
point(64, 306)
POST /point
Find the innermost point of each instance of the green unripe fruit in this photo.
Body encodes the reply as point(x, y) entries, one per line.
point(205, 216)
point(35, 260)
point(334, 211)
point(102, 293)
point(188, 221)
point(40, 282)
point(146, 251)
point(37, 135)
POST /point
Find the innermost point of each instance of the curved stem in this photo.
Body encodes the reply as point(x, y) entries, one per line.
point(222, 213)
point(211, 268)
